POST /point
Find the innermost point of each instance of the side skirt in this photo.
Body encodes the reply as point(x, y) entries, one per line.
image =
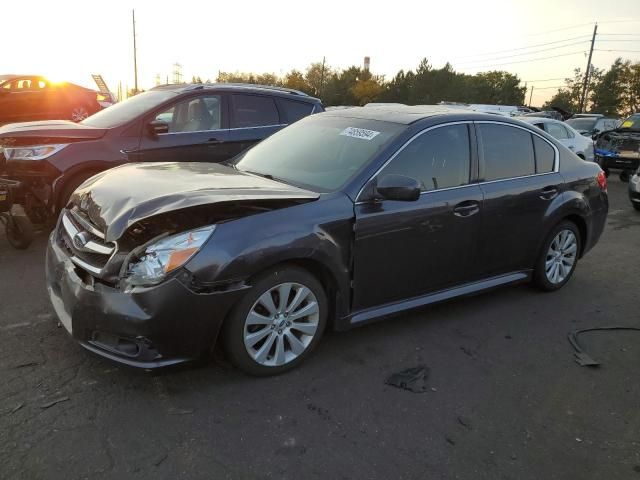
point(376, 313)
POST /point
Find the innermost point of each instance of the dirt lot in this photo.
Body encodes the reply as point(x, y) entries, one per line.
point(505, 399)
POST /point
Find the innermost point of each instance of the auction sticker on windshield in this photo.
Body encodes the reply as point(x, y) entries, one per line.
point(361, 133)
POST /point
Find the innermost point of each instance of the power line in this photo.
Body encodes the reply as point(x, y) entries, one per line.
point(629, 51)
point(572, 27)
point(525, 53)
point(545, 80)
point(525, 61)
point(527, 47)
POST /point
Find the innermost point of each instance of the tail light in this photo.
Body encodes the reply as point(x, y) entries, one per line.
point(602, 181)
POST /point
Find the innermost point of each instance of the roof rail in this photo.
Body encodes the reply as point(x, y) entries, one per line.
point(267, 87)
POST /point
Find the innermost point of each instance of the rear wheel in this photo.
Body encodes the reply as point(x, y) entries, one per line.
point(625, 175)
point(20, 231)
point(558, 258)
point(277, 324)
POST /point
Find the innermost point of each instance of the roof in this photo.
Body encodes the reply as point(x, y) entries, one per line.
point(186, 87)
point(406, 115)
point(532, 119)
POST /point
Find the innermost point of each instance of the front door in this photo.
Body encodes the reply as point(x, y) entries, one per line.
point(198, 132)
point(408, 249)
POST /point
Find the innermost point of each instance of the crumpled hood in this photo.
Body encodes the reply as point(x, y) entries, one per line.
point(117, 198)
point(47, 131)
point(619, 142)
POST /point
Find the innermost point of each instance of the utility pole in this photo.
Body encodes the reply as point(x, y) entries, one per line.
point(135, 54)
point(322, 78)
point(530, 95)
point(587, 72)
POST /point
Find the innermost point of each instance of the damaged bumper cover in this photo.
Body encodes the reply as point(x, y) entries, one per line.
point(148, 328)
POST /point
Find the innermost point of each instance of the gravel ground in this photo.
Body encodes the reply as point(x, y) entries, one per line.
point(504, 398)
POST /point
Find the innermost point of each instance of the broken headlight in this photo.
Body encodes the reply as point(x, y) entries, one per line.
point(165, 255)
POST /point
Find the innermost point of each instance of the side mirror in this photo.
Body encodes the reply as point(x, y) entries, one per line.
point(399, 187)
point(157, 127)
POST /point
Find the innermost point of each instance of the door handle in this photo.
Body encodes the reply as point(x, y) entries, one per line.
point(549, 193)
point(466, 208)
point(214, 141)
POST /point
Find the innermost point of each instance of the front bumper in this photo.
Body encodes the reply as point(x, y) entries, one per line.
point(634, 189)
point(617, 162)
point(147, 328)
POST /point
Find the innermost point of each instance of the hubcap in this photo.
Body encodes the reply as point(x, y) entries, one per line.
point(281, 324)
point(561, 256)
point(78, 114)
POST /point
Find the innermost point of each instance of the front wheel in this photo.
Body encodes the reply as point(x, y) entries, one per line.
point(558, 258)
point(277, 324)
point(20, 232)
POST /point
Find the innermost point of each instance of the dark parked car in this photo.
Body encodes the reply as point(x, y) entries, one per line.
point(591, 125)
point(338, 220)
point(202, 123)
point(620, 148)
point(26, 98)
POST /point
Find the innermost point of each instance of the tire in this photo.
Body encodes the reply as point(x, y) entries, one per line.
point(636, 206)
point(606, 171)
point(69, 187)
point(20, 232)
point(267, 345)
point(565, 258)
point(79, 113)
point(625, 176)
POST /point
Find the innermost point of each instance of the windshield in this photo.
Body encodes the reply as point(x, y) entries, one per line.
point(631, 123)
point(320, 152)
point(129, 109)
point(582, 124)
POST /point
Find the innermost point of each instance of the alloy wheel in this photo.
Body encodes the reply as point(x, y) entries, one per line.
point(78, 114)
point(281, 324)
point(561, 256)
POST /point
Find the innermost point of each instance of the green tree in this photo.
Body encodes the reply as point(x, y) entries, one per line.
point(608, 89)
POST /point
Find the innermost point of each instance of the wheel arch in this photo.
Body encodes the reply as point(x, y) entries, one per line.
point(581, 223)
point(87, 169)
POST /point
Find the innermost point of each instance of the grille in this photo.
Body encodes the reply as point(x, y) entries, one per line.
point(84, 243)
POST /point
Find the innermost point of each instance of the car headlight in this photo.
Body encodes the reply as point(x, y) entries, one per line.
point(38, 152)
point(165, 255)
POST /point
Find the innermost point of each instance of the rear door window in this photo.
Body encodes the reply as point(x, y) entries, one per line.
point(507, 152)
point(439, 158)
point(253, 111)
point(294, 111)
point(557, 131)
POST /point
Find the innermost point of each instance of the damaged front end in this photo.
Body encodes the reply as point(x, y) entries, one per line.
point(618, 149)
point(130, 296)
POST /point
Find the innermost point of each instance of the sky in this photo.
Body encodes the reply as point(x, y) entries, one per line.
point(70, 40)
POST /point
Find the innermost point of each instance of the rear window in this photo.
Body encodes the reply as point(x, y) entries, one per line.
point(253, 111)
point(294, 111)
point(507, 152)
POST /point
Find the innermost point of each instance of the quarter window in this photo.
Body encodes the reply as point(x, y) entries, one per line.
point(557, 131)
point(507, 152)
point(294, 111)
point(545, 155)
point(439, 158)
point(254, 111)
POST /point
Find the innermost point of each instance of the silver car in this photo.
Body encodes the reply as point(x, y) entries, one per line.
point(568, 136)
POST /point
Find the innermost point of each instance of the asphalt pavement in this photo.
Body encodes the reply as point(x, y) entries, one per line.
point(504, 398)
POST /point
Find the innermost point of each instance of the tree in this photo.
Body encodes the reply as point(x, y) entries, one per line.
point(568, 97)
point(609, 88)
point(295, 80)
point(316, 76)
point(366, 91)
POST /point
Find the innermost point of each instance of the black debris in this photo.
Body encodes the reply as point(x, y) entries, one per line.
point(413, 379)
point(450, 441)
point(582, 358)
point(465, 422)
point(16, 408)
point(54, 402)
point(28, 364)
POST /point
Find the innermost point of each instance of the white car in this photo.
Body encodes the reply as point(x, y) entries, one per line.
point(568, 136)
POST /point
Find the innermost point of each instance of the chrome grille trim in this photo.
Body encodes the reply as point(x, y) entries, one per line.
point(85, 224)
point(91, 247)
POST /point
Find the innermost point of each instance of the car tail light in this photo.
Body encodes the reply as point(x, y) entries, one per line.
point(602, 181)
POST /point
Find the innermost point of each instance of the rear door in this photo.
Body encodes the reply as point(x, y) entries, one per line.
point(519, 179)
point(253, 118)
point(198, 132)
point(408, 249)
